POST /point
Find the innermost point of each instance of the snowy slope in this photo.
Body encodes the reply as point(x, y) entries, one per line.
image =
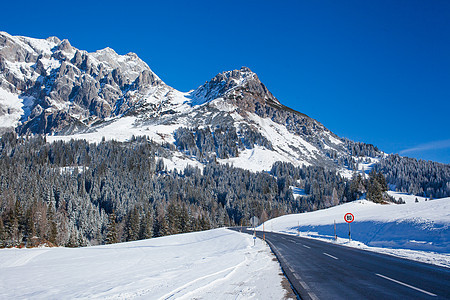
point(416, 227)
point(287, 147)
point(215, 264)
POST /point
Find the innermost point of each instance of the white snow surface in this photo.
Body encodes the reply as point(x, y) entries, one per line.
point(364, 167)
point(418, 231)
point(282, 139)
point(406, 197)
point(122, 129)
point(215, 264)
point(297, 192)
point(180, 162)
point(258, 159)
point(14, 106)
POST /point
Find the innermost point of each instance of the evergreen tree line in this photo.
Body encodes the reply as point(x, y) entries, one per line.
point(78, 193)
point(418, 177)
point(325, 188)
point(222, 142)
point(374, 188)
point(359, 149)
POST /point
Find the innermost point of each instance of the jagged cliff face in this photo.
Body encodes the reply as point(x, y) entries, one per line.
point(67, 89)
point(48, 86)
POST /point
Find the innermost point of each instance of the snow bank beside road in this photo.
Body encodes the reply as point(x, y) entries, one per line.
point(418, 231)
point(215, 264)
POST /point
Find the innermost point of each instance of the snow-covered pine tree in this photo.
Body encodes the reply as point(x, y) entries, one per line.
point(112, 236)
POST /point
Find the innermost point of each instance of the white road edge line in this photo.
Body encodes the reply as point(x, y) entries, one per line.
point(306, 247)
point(330, 255)
point(302, 283)
point(407, 285)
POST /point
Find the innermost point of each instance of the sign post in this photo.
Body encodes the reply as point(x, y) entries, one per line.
point(349, 217)
point(254, 222)
point(264, 233)
point(335, 235)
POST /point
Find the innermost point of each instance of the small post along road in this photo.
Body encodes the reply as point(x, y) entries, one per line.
point(321, 270)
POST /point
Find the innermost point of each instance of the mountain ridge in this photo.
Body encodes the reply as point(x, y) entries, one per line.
point(66, 92)
point(63, 57)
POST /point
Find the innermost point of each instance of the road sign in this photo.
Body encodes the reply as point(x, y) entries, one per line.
point(349, 218)
point(254, 221)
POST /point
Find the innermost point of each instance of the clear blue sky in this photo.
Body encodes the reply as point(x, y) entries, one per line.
point(372, 71)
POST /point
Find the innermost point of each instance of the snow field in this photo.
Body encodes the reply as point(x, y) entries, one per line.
point(121, 130)
point(407, 198)
point(214, 264)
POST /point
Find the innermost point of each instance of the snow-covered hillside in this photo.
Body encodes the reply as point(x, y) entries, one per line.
point(215, 264)
point(414, 230)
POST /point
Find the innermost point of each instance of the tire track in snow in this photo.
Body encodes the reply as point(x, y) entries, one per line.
point(202, 283)
point(25, 256)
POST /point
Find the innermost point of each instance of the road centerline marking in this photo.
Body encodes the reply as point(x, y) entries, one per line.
point(407, 285)
point(330, 255)
point(306, 246)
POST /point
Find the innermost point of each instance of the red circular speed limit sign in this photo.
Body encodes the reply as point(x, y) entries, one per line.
point(349, 217)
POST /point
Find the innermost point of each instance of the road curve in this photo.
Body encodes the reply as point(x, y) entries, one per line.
point(320, 270)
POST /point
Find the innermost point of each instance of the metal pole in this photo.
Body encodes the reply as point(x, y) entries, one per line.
point(254, 233)
point(349, 234)
point(335, 236)
point(264, 233)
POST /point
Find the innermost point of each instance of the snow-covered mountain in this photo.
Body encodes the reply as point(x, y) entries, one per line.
point(50, 87)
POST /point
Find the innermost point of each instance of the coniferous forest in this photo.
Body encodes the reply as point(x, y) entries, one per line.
point(78, 193)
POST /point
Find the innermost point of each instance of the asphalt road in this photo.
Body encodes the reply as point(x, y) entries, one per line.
point(320, 270)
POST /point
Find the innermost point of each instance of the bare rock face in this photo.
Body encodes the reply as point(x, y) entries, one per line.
point(69, 84)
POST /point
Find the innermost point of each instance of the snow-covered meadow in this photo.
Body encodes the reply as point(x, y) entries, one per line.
point(419, 231)
point(214, 264)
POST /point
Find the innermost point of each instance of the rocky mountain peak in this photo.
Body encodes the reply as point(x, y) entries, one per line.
point(53, 39)
point(242, 87)
point(65, 45)
point(234, 77)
